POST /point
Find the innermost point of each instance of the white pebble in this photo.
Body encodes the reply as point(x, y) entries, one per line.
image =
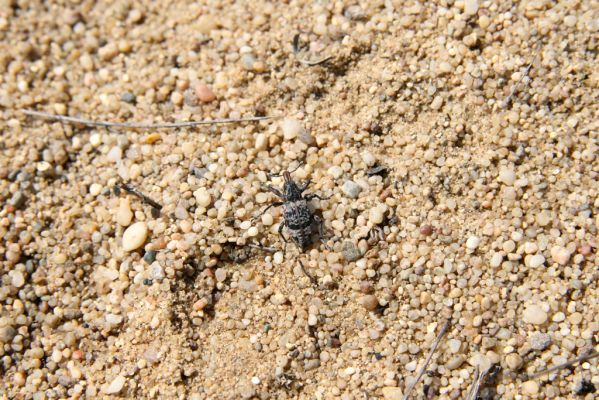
point(291, 128)
point(116, 385)
point(534, 314)
point(377, 214)
point(351, 189)
point(18, 280)
point(368, 158)
point(135, 236)
point(336, 171)
point(253, 231)
point(472, 242)
point(392, 393)
point(496, 260)
point(255, 380)
point(530, 388)
point(113, 319)
point(203, 198)
point(560, 255)
point(507, 176)
point(470, 7)
point(535, 261)
point(245, 225)
point(261, 141)
point(124, 215)
point(95, 189)
point(277, 258)
point(115, 154)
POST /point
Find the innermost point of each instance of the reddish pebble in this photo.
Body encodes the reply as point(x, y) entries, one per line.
point(426, 230)
point(586, 250)
point(204, 93)
point(77, 355)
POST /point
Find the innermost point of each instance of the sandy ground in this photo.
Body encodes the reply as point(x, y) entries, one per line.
point(454, 144)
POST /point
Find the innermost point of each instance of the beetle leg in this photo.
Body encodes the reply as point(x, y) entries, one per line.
point(305, 185)
point(315, 196)
point(281, 226)
point(321, 235)
point(275, 191)
point(275, 204)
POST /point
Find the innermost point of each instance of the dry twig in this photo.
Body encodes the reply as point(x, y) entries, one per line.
point(428, 360)
point(137, 125)
point(478, 378)
point(508, 99)
point(564, 365)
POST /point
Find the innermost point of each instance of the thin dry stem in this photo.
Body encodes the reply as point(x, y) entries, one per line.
point(428, 360)
point(564, 365)
point(137, 125)
point(478, 378)
point(508, 99)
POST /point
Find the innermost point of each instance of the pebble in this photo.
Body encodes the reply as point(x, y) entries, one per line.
point(291, 128)
point(534, 314)
point(535, 261)
point(369, 302)
point(560, 255)
point(472, 243)
point(392, 393)
point(135, 236)
point(470, 7)
point(17, 200)
point(544, 218)
point(513, 361)
point(454, 362)
point(124, 215)
point(202, 196)
point(335, 171)
point(95, 189)
point(204, 93)
point(368, 158)
point(18, 280)
point(150, 256)
point(278, 299)
point(530, 388)
point(540, 341)
point(156, 271)
point(7, 334)
point(116, 385)
point(351, 189)
point(350, 251)
point(507, 176)
point(128, 97)
point(261, 141)
point(454, 345)
point(376, 214)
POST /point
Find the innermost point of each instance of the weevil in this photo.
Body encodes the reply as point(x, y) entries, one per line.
point(298, 218)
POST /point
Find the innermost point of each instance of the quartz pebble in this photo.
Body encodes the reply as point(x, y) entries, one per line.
point(135, 236)
point(392, 393)
point(507, 176)
point(472, 243)
point(18, 280)
point(351, 189)
point(513, 361)
point(535, 261)
point(204, 93)
point(116, 385)
point(124, 215)
point(560, 255)
point(291, 128)
point(540, 341)
point(470, 7)
point(530, 388)
point(351, 251)
point(534, 314)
